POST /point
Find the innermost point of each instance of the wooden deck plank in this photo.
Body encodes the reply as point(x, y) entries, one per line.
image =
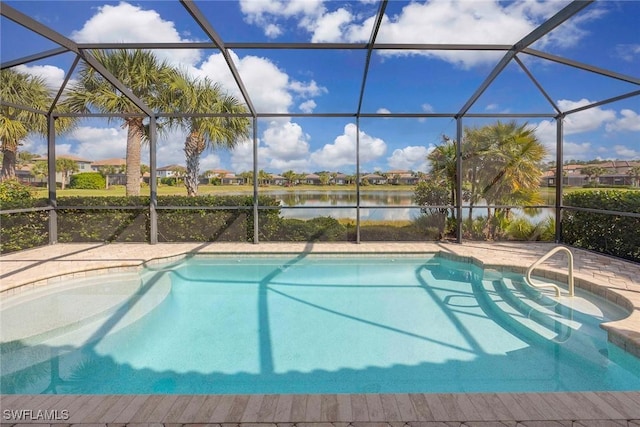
point(144, 413)
point(421, 407)
point(114, 410)
point(267, 411)
point(191, 410)
point(468, 410)
point(513, 405)
point(390, 407)
point(237, 408)
point(222, 409)
point(105, 404)
point(344, 407)
point(452, 412)
point(625, 403)
point(314, 408)
point(205, 413)
point(562, 411)
point(298, 408)
point(482, 407)
point(329, 412)
point(163, 407)
point(581, 406)
point(499, 408)
point(406, 407)
point(129, 411)
point(250, 413)
point(359, 410)
point(549, 411)
point(374, 407)
point(437, 409)
point(529, 411)
point(80, 407)
point(283, 408)
point(177, 408)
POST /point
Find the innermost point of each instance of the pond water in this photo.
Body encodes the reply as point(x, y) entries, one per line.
point(382, 205)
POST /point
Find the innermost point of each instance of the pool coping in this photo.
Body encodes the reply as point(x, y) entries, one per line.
point(613, 279)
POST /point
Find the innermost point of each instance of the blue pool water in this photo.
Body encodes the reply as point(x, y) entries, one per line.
point(323, 324)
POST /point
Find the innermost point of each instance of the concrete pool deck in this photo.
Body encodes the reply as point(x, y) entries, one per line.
point(614, 279)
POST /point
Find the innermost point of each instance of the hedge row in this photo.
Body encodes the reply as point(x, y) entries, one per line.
point(78, 222)
point(609, 234)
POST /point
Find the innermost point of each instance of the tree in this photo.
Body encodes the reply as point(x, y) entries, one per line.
point(201, 96)
point(15, 123)
point(593, 171)
point(145, 76)
point(108, 170)
point(64, 165)
point(247, 177)
point(290, 176)
point(325, 177)
point(634, 173)
point(263, 177)
point(443, 167)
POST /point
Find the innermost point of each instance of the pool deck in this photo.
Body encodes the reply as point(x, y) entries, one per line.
point(616, 280)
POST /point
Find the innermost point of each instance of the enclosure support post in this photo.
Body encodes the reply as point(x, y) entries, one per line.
point(256, 234)
point(559, 177)
point(51, 179)
point(153, 183)
point(458, 180)
point(357, 179)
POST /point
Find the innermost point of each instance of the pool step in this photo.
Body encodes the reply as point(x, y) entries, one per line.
point(536, 317)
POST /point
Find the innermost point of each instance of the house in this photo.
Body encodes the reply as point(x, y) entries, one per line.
point(116, 168)
point(24, 172)
point(170, 171)
point(613, 172)
point(401, 177)
point(374, 178)
point(339, 179)
point(312, 179)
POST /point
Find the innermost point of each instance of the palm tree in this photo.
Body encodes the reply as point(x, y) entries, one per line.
point(66, 167)
point(203, 96)
point(443, 167)
point(15, 124)
point(511, 171)
point(247, 177)
point(593, 171)
point(290, 176)
point(141, 72)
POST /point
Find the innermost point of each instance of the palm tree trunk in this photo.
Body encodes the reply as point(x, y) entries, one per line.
point(193, 146)
point(9, 156)
point(135, 131)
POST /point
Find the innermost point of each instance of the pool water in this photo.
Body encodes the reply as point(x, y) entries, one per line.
point(330, 324)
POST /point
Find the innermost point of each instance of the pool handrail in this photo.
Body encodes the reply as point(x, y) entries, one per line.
point(551, 285)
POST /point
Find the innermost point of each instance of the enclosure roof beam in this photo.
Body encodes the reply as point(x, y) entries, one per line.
point(582, 66)
point(603, 102)
point(206, 26)
point(35, 26)
point(34, 57)
point(538, 85)
point(542, 30)
point(372, 40)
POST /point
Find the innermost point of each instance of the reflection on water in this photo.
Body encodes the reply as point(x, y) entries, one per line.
point(375, 205)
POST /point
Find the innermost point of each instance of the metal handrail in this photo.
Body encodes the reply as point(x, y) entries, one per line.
point(551, 285)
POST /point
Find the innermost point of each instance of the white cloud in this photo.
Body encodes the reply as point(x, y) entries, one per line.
point(242, 157)
point(210, 161)
point(52, 76)
point(343, 150)
point(93, 143)
point(630, 121)
point(586, 120)
point(383, 111)
point(128, 23)
point(628, 52)
point(411, 157)
point(427, 108)
point(329, 27)
point(308, 106)
point(623, 152)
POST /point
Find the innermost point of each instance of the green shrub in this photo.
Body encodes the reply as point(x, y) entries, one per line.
point(170, 181)
point(13, 192)
point(316, 229)
point(605, 233)
point(87, 181)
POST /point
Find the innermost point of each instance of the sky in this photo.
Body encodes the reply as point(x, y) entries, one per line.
point(604, 35)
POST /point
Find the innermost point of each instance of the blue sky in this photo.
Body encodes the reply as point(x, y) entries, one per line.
point(604, 35)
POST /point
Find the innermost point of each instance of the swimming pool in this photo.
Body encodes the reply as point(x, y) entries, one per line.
point(310, 324)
